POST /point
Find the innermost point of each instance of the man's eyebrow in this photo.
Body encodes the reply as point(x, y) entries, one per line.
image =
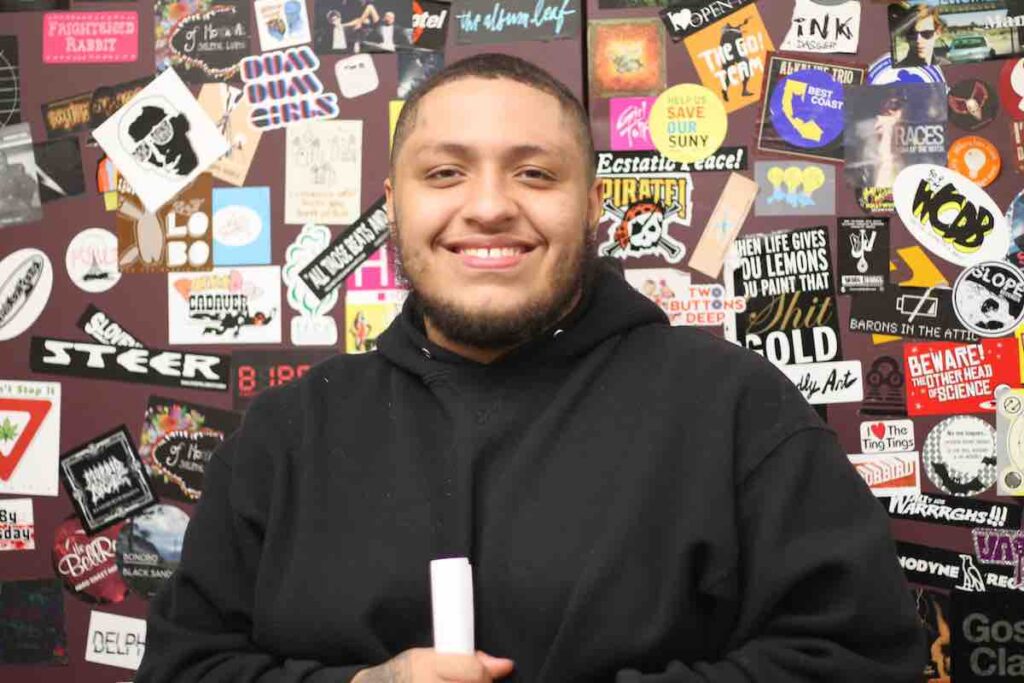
point(513, 153)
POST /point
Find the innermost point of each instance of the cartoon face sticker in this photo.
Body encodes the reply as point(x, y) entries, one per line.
point(155, 133)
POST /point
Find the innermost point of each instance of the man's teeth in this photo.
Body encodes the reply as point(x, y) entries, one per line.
point(504, 252)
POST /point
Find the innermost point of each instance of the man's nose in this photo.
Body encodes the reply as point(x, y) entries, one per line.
point(490, 200)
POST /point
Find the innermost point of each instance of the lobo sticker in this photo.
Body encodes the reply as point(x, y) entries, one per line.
point(236, 305)
point(889, 474)
point(1010, 441)
point(91, 260)
point(960, 455)
point(989, 298)
point(17, 529)
point(887, 436)
point(26, 278)
point(29, 437)
point(950, 216)
point(950, 378)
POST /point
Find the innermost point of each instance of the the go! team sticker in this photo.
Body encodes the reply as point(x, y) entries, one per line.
point(960, 455)
point(947, 378)
point(1010, 441)
point(688, 122)
point(989, 298)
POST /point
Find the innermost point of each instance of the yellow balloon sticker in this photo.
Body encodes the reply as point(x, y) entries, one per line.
point(688, 123)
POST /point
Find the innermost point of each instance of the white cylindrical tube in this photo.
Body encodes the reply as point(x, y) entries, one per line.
point(451, 594)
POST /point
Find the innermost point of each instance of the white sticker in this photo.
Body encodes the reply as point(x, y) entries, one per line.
point(91, 260)
point(827, 382)
point(17, 529)
point(225, 306)
point(960, 455)
point(29, 437)
point(115, 640)
point(889, 474)
point(356, 75)
point(823, 28)
point(887, 436)
point(26, 279)
point(313, 326)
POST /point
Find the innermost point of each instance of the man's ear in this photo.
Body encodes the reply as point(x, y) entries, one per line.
point(594, 206)
point(389, 200)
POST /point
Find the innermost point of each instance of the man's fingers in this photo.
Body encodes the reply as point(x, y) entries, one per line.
point(497, 667)
point(452, 667)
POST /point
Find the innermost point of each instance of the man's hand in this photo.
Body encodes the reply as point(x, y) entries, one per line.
point(423, 665)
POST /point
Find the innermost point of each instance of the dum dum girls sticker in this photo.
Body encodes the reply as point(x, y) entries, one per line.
point(989, 298)
point(960, 455)
point(106, 480)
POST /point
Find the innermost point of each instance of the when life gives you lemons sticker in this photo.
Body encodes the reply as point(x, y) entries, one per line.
point(688, 123)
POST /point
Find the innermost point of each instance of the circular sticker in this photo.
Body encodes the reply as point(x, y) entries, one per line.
point(149, 547)
point(26, 279)
point(975, 157)
point(882, 72)
point(1011, 88)
point(988, 298)
point(688, 123)
point(807, 108)
point(86, 564)
point(960, 455)
point(91, 260)
point(972, 104)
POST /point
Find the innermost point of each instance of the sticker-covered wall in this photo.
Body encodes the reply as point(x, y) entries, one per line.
point(191, 212)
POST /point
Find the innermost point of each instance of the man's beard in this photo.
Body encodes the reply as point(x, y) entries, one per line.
point(492, 330)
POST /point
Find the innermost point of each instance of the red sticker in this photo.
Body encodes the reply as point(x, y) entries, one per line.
point(88, 564)
point(1011, 88)
point(945, 378)
point(35, 411)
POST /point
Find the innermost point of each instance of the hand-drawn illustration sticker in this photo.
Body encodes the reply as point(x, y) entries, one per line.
point(960, 455)
point(972, 104)
point(806, 109)
point(989, 298)
point(86, 564)
point(949, 215)
point(1010, 440)
point(314, 325)
point(26, 278)
point(91, 260)
point(149, 548)
point(1011, 88)
point(688, 122)
point(975, 157)
point(882, 72)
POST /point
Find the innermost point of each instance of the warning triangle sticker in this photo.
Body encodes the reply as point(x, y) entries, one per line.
point(20, 419)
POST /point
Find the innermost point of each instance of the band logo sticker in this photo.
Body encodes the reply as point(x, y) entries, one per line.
point(256, 371)
point(949, 570)
point(947, 378)
point(960, 455)
point(26, 279)
point(887, 436)
point(322, 172)
point(863, 255)
point(115, 640)
point(1010, 441)
point(689, 16)
point(986, 645)
point(182, 369)
point(493, 21)
point(283, 88)
point(882, 72)
point(105, 480)
point(955, 511)
point(207, 45)
point(918, 312)
point(824, 27)
point(884, 395)
point(953, 33)
point(226, 305)
point(313, 326)
point(682, 302)
point(29, 437)
point(90, 37)
point(17, 528)
point(724, 223)
point(972, 104)
point(349, 249)
point(989, 298)
point(889, 474)
point(91, 260)
point(795, 189)
point(641, 207)
point(642, 162)
point(627, 123)
point(149, 548)
point(825, 382)
point(86, 564)
point(950, 216)
point(1001, 546)
point(625, 57)
point(373, 299)
point(176, 237)
point(103, 329)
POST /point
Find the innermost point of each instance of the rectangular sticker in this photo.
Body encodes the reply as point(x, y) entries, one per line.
point(115, 640)
point(17, 528)
point(1009, 445)
point(1001, 547)
point(20, 202)
point(182, 369)
point(228, 107)
point(349, 249)
point(32, 623)
point(241, 226)
point(946, 378)
point(949, 569)
point(986, 646)
point(323, 162)
point(917, 312)
point(10, 86)
point(795, 188)
point(637, 43)
point(103, 329)
point(256, 371)
point(863, 255)
point(226, 305)
point(67, 116)
point(59, 169)
point(279, 24)
point(889, 474)
point(955, 32)
point(685, 303)
point(887, 436)
point(206, 44)
point(955, 511)
point(29, 437)
point(90, 37)
point(832, 27)
point(107, 99)
point(725, 222)
point(485, 22)
point(828, 382)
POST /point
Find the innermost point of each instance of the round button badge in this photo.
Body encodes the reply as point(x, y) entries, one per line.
point(976, 158)
point(688, 123)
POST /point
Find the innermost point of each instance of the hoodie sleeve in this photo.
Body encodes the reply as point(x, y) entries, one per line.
point(199, 624)
point(822, 594)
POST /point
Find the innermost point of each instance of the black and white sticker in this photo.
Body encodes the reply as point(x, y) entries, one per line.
point(954, 511)
point(960, 455)
point(863, 255)
point(916, 312)
point(348, 250)
point(26, 278)
point(987, 644)
point(989, 298)
point(101, 328)
point(950, 570)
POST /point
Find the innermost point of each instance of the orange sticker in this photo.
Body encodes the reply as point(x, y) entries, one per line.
point(976, 158)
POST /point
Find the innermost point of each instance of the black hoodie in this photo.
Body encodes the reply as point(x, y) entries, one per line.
point(640, 503)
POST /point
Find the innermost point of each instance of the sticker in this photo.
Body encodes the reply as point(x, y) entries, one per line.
point(950, 378)
point(17, 527)
point(1001, 546)
point(875, 200)
point(323, 165)
point(415, 68)
point(485, 22)
point(373, 299)
point(686, 17)
point(682, 302)
point(91, 260)
point(281, 23)
point(1010, 440)
point(349, 249)
point(177, 237)
point(313, 326)
point(356, 75)
point(817, 27)
point(241, 226)
point(960, 455)
point(625, 57)
point(918, 312)
point(642, 162)
point(889, 474)
point(107, 99)
point(887, 436)
point(882, 72)
point(884, 395)
point(627, 123)
point(161, 140)
point(972, 104)
point(827, 382)
point(227, 106)
point(986, 646)
point(226, 305)
point(989, 298)
point(149, 548)
point(115, 640)
point(949, 570)
point(950, 216)
point(283, 87)
point(943, 34)
point(688, 123)
point(256, 371)
point(724, 223)
point(67, 116)
point(955, 511)
point(802, 112)
point(176, 442)
point(976, 158)
point(26, 279)
point(101, 328)
point(429, 24)
point(204, 45)
point(795, 188)
point(933, 618)
point(1011, 88)
point(18, 176)
point(58, 169)
point(863, 255)
point(32, 623)
point(10, 85)
point(86, 564)
point(182, 369)
point(29, 437)
point(1015, 218)
point(90, 37)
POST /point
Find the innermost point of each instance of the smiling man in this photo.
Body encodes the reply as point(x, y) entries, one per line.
point(640, 503)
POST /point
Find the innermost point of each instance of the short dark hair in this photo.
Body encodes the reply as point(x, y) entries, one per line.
point(492, 65)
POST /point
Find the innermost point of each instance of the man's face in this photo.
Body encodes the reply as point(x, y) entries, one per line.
point(921, 38)
point(389, 18)
point(494, 210)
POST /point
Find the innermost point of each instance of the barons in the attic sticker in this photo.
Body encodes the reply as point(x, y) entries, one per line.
point(955, 511)
point(642, 206)
point(149, 548)
point(17, 528)
point(863, 255)
point(105, 480)
point(233, 305)
point(947, 378)
point(987, 646)
point(960, 455)
point(29, 437)
point(1010, 440)
point(989, 298)
point(86, 564)
point(918, 312)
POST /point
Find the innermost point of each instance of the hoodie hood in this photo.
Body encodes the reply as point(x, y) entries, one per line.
point(609, 306)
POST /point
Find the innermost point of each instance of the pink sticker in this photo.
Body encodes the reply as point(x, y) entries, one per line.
point(627, 123)
point(90, 37)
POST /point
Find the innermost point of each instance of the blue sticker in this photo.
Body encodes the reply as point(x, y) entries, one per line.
point(882, 72)
point(807, 108)
point(241, 226)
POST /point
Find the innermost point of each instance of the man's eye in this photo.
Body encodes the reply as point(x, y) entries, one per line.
point(538, 174)
point(442, 174)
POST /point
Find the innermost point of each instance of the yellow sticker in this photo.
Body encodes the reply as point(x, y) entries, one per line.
point(394, 109)
point(688, 123)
